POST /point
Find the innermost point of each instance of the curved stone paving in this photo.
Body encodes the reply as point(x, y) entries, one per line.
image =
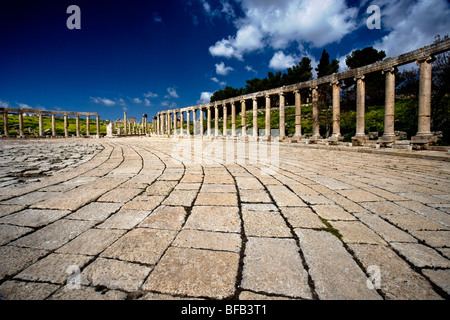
point(149, 218)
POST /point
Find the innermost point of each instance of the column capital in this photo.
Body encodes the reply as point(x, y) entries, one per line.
point(359, 77)
point(242, 101)
point(425, 59)
point(296, 91)
point(336, 82)
point(314, 88)
point(254, 98)
point(281, 93)
point(391, 70)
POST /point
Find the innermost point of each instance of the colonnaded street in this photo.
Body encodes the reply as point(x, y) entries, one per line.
point(159, 218)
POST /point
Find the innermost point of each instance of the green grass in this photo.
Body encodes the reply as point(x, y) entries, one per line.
point(31, 125)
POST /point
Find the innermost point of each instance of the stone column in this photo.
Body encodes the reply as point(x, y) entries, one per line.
point(243, 118)
point(201, 116)
point(233, 119)
point(360, 136)
point(188, 122)
point(336, 136)
point(41, 129)
point(268, 117)
point(66, 126)
point(224, 119)
point(97, 123)
point(298, 114)
point(181, 123)
point(194, 121)
point(315, 114)
point(21, 132)
point(125, 123)
point(424, 135)
point(88, 126)
point(208, 125)
point(216, 120)
point(255, 117)
point(5, 123)
point(389, 108)
point(174, 123)
point(282, 127)
point(53, 126)
point(77, 125)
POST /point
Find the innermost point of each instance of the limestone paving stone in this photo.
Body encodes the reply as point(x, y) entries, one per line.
point(332, 212)
point(248, 295)
point(146, 203)
point(333, 270)
point(274, 266)
point(435, 239)
point(124, 219)
point(384, 208)
point(115, 274)
point(358, 195)
point(33, 217)
point(427, 211)
point(97, 211)
point(265, 224)
point(208, 240)
point(345, 203)
point(19, 290)
point(14, 259)
point(216, 187)
point(71, 200)
point(216, 199)
point(32, 198)
point(159, 296)
point(161, 188)
point(254, 196)
point(87, 293)
point(420, 255)
point(181, 271)
point(356, 232)
point(141, 245)
point(398, 281)
point(165, 217)
point(55, 268)
point(54, 235)
point(414, 221)
point(9, 233)
point(120, 195)
point(441, 278)
point(91, 242)
point(6, 209)
point(188, 186)
point(214, 218)
point(316, 199)
point(284, 197)
point(259, 207)
point(183, 198)
point(302, 217)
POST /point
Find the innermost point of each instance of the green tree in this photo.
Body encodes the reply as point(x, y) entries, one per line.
point(299, 73)
point(325, 67)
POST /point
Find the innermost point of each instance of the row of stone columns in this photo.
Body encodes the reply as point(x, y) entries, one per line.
point(53, 125)
point(165, 126)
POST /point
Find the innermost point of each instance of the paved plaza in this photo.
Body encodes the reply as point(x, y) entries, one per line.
point(159, 218)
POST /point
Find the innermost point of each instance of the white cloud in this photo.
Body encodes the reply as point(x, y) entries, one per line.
point(105, 101)
point(172, 93)
point(419, 23)
point(4, 104)
point(250, 69)
point(215, 79)
point(23, 106)
point(137, 100)
point(222, 70)
point(278, 23)
point(280, 61)
point(205, 97)
point(147, 102)
point(150, 95)
point(222, 83)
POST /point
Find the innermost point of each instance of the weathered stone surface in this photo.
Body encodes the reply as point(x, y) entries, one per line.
point(34, 217)
point(274, 266)
point(70, 200)
point(54, 235)
point(165, 217)
point(441, 278)
point(55, 268)
point(284, 197)
point(87, 293)
point(216, 199)
point(9, 233)
point(248, 295)
point(259, 207)
point(435, 239)
point(302, 217)
point(6, 209)
point(91, 242)
point(414, 221)
point(332, 212)
point(220, 188)
point(356, 232)
point(18, 290)
point(254, 196)
point(120, 195)
point(214, 218)
point(13, 259)
point(358, 195)
point(265, 224)
point(161, 188)
point(208, 240)
point(421, 256)
point(427, 211)
point(333, 270)
point(398, 280)
point(183, 198)
point(141, 245)
point(115, 274)
point(147, 204)
point(181, 271)
point(124, 219)
point(98, 211)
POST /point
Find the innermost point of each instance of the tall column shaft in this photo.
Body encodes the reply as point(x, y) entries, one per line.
point(21, 132)
point(216, 120)
point(298, 114)
point(243, 118)
point(125, 123)
point(225, 119)
point(201, 116)
point(233, 119)
point(53, 126)
point(208, 125)
point(194, 121)
point(66, 126)
point(255, 117)
point(87, 126)
point(315, 113)
point(282, 117)
point(268, 117)
point(77, 125)
point(336, 110)
point(424, 128)
point(181, 123)
point(5, 123)
point(41, 129)
point(97, 124)
point(389, 108)
point(188, 122)
point(174, 123)
point(360, 106)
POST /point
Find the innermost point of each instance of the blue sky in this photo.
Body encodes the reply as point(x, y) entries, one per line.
point(147, 56)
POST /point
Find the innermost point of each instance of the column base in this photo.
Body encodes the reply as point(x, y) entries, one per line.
point(359, 139)
point(387, 140)
point(335, 138)
point(314, 138)
point(422, 141)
